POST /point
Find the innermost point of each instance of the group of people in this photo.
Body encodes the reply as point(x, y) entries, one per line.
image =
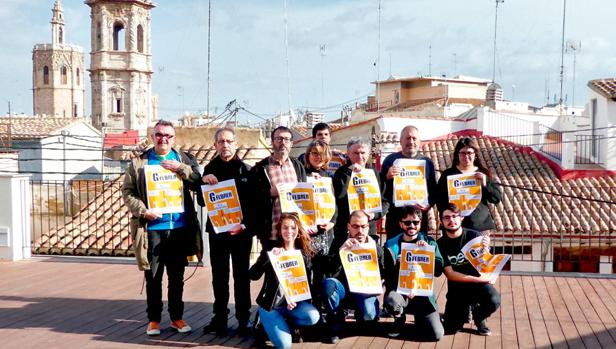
point(165, 240)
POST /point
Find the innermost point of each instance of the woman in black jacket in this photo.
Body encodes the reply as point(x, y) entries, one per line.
point(275, 313)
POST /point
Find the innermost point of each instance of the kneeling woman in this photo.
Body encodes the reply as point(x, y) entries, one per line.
point(275, 313)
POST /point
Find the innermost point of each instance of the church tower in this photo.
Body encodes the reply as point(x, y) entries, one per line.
point(121, 65)
point(57, 73)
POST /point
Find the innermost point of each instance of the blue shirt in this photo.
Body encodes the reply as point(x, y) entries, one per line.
point(169, 220)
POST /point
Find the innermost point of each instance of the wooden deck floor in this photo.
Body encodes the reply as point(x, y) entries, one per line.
point(56, 302)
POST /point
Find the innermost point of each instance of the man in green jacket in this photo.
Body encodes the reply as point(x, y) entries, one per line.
point(163, 240)
point(427, 320)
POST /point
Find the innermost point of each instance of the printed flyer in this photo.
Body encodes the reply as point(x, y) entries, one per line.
point(364, 192)
point(324, 200)
point(361, 267)
point(416, 277)
point(464, 191)
point(291, 272)
point(164, 190)
point(223, 205)
point(410, 186)
point(481, 258)
point(298, 198)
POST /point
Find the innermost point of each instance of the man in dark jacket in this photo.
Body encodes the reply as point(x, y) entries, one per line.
point(235, 244)
point(427, 320)
point(265, 175)
point(336, 287)
point(410, 144)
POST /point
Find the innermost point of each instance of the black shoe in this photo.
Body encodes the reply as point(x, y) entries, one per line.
point(296, 336)
point(333, 339)
point(483, 329)
point(244, 328)
point(217, 326)
point(397, 326)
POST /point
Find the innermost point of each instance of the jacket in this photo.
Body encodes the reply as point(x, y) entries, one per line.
point(392, 262)
point(260, 213)
point(271, 296)
point(135, 198)
point(336, 270)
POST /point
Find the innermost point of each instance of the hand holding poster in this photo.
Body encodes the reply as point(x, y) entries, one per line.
point(223, 205)
point(416, 276)
point(324, 200)
point(298, 198)
point(291, 273)
point(164, 190)
point(364, 192)
point(464, 191)
point(481, 258)
point(410, 185)
point(361, 268)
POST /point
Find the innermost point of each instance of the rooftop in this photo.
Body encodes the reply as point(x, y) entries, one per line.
point(605, 87)
point(34, 127)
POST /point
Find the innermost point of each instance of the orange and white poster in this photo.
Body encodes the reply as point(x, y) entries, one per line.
point(410, 185)
point(481, 258)
point(465, 191)
point(223, 205)
point(338, 160)
point(164, 190)
point(324, 200)
point(361, 267)
point(416, 276)
point(291, 272)
point(298, 198)
point(364, 192)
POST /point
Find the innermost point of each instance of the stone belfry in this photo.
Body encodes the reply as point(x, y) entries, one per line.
point(121, 65)
point(57, 73)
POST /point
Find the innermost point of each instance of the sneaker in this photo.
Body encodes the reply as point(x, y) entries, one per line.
point(397, 326)
point(181, 326)
point(216, 326)
point(244, 328)
point(483, 329)
point(153, 329)
point(296, 336)
point(333, 339)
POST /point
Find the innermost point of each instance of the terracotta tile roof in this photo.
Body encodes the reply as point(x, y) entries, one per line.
point(34, 127)
point(605, 87)
point(203, 153)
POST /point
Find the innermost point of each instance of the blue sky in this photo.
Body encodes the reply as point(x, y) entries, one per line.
point(248, 51)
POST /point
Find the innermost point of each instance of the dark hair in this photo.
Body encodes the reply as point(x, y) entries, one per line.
point(319, 127)
point(162, 122)
point(326, 154)
point(449, 207)
point(409, 210)
point(358, 213)
point(471, 143)
point(282, 129)
point(302, 241)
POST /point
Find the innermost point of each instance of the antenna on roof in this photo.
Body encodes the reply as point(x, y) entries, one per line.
point(430, 59)
point(562, 55)
point(495, 26)
point(573, 46)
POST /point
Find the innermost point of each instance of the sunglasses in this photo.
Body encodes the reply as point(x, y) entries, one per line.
point(408, 223)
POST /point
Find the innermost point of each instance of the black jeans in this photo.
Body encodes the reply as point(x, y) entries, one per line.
point(427, 320)
point(223, 246)
point(165, 250)
point(461, 296)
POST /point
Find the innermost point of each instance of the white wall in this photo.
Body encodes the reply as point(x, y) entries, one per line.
point(15, 217)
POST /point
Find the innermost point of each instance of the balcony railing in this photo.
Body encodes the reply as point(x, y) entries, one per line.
point(588, 149)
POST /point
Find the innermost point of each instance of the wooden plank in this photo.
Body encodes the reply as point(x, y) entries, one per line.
point(579, 321)
point(570, 331)
point(508, 324)
point(550, 320)
point(495, 340)
point(533, 309)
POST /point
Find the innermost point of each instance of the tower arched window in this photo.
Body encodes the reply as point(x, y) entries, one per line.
point(64, 75)
point(119, 37)
point(99, 35)
point(78, 76)
point(45, 75)
point(140, 38)
point(61, 36)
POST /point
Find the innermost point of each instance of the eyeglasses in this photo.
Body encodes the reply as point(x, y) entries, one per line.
point(315, 153)
point(163, 135)
point(408, 223)
point(282, 139)
point(452, 217)
point(360, 226)
point(467, 153)
point(223, 141)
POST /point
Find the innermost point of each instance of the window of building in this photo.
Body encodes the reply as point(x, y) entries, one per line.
point(78, 76)
point(61, 36)
point(119, 37)
point(75, 110)
point(99, 36)
point(45, 75)
point(140, 38)
point(64, 75)
point(118, 105)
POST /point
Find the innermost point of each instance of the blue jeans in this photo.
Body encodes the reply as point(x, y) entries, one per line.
point(275, 324)
point(366, 306)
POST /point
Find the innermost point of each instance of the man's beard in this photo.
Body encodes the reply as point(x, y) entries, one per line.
point(451, 230)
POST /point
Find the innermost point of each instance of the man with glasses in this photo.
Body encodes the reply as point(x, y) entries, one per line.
point(465, 285)
point(265, 175)
point(410, 144)
point(336, 288)
point(163, 240)
point(425, 310)
point(235, 244)
point(322, 132)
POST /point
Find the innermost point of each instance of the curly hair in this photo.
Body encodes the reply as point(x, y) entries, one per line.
point(302, 241)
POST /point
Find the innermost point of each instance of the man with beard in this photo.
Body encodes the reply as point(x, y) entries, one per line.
point(235, 244)
point(425, 310)
point(465, 285)
point(265, 175)
point(410, 144)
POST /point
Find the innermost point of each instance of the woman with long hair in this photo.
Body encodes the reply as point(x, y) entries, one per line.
point(466, 159)
point(277, 315)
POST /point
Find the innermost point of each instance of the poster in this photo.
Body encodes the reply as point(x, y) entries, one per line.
point(324, 200)
point(361, 267)
point(410, 186)
point(481, 258)
point(364, 192)
point(464, 191)
point(291, 272)
point(298, 198)
point(416, 276)
point(223, 205)
point(338, 160)
point(164, 190)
